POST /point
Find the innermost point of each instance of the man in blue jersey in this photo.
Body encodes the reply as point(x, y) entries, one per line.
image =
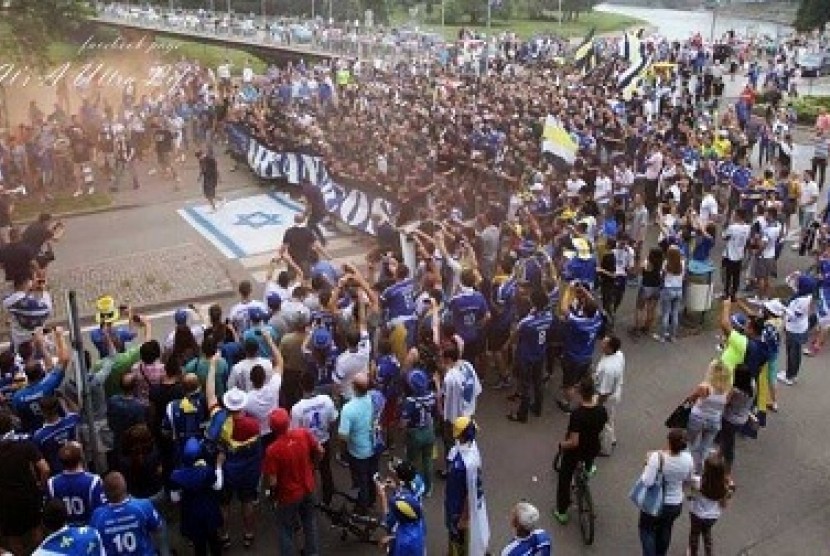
point(56, 430)
point(79, 490)
point(528, 540)
point(531, 345)
point(398, 301)
point(320, 355)
point(63, 539)
point(26, 401)
point(469, 314)
point(502, 297)
point(126, 524)
point(583, 324)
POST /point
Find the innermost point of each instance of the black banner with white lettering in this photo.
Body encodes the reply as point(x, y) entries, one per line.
point(349, 203)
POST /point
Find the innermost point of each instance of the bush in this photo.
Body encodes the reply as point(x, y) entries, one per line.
point(806, 108)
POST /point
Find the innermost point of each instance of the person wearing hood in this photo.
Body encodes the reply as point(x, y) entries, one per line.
point(418, 415)
point(288, 468)
point(797, 323)
point(195, 486)
point(403, 513)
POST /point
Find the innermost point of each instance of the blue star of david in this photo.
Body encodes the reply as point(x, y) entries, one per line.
point(258, 219)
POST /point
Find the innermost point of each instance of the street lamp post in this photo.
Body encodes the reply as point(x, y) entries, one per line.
point(714, 21)
point(560, 14)
point(312, 10)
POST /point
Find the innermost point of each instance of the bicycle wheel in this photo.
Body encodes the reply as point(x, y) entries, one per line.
point(585, 506)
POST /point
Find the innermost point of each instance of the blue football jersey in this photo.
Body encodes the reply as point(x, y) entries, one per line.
point(532, 335)
point(467, 309)
point(49, 438)
point(26, 401)
point(81, 493)
point(72, 541)
point(537, 543)
point(581, 335)
point(126, 527)
point(398, 300)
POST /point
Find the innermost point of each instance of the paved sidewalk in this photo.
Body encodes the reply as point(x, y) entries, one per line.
point(147, 280)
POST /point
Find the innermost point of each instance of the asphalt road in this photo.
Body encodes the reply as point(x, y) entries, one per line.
point(782, 503)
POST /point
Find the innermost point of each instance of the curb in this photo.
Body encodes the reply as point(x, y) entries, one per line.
point(114, 207)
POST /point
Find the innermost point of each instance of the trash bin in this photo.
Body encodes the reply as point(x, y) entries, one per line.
point(699, 287)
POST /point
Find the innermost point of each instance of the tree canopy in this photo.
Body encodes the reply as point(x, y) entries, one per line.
point(27, 27)
point(812, 14)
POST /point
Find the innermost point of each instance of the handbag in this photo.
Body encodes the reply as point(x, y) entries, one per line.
point(679, 418)
point(649, 498)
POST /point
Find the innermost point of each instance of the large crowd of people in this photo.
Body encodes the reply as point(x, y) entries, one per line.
point(503, 265)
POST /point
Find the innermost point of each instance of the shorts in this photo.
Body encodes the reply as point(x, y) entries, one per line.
point(648, 293)
point(764, 268)
point(19, 517)
point(573, 372)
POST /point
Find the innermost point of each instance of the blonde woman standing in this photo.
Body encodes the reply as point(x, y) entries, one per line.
point(709, 400)
point(671, 294)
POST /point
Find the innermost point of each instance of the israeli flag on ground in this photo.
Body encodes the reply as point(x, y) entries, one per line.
point(247, 226)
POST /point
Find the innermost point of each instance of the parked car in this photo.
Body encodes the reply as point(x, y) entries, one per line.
point(815, 65)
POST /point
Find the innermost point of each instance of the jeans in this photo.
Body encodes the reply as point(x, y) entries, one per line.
point(795, 343)
point(530, 376)
point(670, 299)
point(288, 515)
point(567, 468)
point(420, 445)
point(363, 472)
point(655, 531)
point(702, 433)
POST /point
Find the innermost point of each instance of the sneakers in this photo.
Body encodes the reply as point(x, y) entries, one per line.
point(773, 407)
point(782, 377)
point(561, 518)
point(659, 338)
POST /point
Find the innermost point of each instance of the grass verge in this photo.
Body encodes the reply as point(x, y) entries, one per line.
point(27, 209)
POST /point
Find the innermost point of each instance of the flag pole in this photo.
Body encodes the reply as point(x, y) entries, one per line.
point(489, 13)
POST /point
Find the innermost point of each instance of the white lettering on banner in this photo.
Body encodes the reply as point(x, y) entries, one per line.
point(310, 164)
point(353, 206)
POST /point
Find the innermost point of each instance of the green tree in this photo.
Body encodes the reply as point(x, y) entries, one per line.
point(812, 14)
point(27, 27)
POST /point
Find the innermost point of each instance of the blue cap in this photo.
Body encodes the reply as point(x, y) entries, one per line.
point(418, 381)
point(738, 321)
point(180, 317)
point(806, 285)
point(256, 314)
point(273, 300)
point(320, 338)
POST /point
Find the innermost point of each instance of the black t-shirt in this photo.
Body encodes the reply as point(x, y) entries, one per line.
point(36, 234)
point(588, 423)
point(17, 480)
point(299, 241)
point(163, 139)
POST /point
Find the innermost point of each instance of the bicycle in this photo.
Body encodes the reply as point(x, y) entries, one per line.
point(581, 493)
point(342, 516)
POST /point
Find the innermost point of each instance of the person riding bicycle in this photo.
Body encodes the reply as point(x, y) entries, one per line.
point(403, 513)
point(581, 444)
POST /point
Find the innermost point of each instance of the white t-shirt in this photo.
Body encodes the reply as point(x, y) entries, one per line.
point(703, 507)
point(350, 363)
point(461, 389)
point(315, 414)
point(609, 377)
point(708, 208)
point(240, 376)
point(809, 191)
point(239, 313)
point(602, 190)
point(623, 260)
point(262, 402)
point(247, 75)
point(771, 234)
point(223, 71)
point(797, 315)
point(736, 236)
point(676, 471)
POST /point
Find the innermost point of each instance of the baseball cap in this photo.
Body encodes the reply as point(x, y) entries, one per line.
point(256, 314)
point(278, 420)
point(738, 321)
point(106, 311)
point(180, 317)
point(273, 300)
point(235, 399)
point(774, 307)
